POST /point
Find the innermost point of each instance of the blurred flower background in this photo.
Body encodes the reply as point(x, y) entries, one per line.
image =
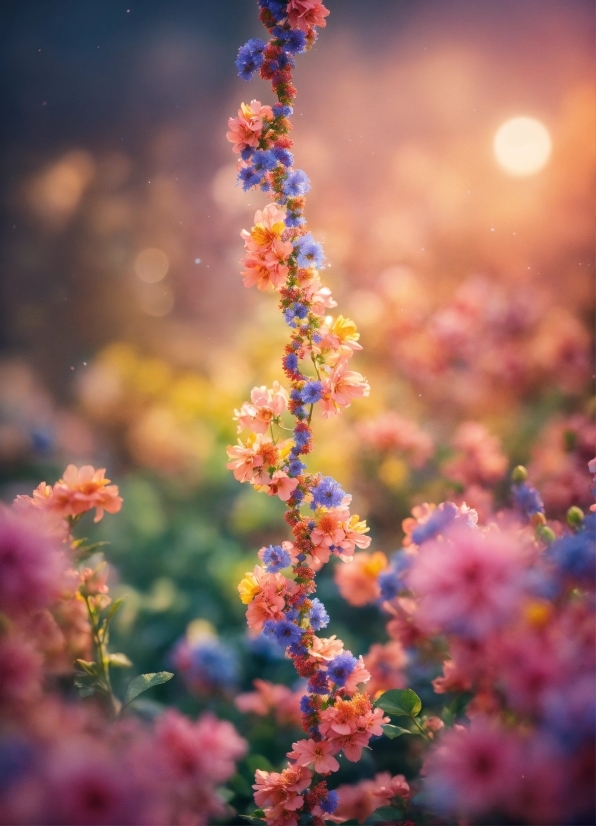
point(451, 150)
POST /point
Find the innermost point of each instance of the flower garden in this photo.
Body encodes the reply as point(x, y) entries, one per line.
point(343, 568)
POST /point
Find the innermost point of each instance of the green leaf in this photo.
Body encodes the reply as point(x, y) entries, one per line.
point(400, 702)
point(258, 761)
point(145, 681)
point(88, 667)
point(119, 660)
point(395, 731)
point(255, 820)
point(386, 814)
point(114, 607)
point(84, 686)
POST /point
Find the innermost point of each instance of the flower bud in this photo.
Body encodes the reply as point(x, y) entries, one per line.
point(575, 517)
point(519, 475)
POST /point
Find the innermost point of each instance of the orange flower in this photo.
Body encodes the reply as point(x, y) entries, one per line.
point(81, 490)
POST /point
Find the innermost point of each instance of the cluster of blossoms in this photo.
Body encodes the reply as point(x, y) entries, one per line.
point(507, 609)
point(281, 255)
point(81, 761)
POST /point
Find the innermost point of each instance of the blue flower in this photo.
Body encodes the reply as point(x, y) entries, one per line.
point(330, 803)
point(527, 499)
point(296, 312)
point(301, 437)
point(328, 493)
point(294, 220)
point(312, 392)
point(281, 111)
point(437, 521)
point(318, 616)
point(575, 554)
point(207, 663)
point(391, 580)
point(309, 253)
point(277, 8)
point(284, 156)
point(250, 58)
point(249, 177)
point(290, 362)
point(264, 160)
point(293, 40)
point(246, 153)
point(296, 183)
point(318, 683)
point(306, 706)
point(276, 559)
point(296, 467)
point(284, 632)
point(341, 667)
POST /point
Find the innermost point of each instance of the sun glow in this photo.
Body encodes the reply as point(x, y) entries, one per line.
point(522, 146)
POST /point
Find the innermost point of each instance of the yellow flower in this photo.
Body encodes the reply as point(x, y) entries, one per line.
point(248, 588)
point(376, 563)
point(359, 527)
point(345, 330)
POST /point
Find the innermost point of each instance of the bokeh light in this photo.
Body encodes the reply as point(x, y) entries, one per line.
point(151, 265)
point(522, 146)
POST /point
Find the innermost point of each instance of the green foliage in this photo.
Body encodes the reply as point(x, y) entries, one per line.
point(144, 682)
point(400, 702)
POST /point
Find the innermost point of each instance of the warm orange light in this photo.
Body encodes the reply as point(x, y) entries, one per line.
point(522, 146)
point(151, 265)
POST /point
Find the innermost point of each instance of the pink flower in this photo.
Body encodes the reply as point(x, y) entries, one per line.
point(359, 675)
point(358, 580)
point(280, 484)
point(351, 744)
point(269, 269)
point(278, 793)
point(318, 755)
point(20, 674)
point(474, 771)
point(269, 226)
point(360, 801)
point(245, 459)
point(324, 649)
point(246, 129)
point(386, 666)
point(341, 388)
point(481, 460)
point(469, 585)
point(269, 697)
point(389, 431)
point(81, 490)
point(319, 297)
point(306, 14)
point(264, 406)
point(32, 564)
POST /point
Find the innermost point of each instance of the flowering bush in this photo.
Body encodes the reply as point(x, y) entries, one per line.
point(85, 761)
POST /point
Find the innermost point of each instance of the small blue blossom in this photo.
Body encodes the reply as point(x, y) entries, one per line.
point(306, 706)
point(250, 58)
point(309, 253)
point(300, 412)
point(318, 683)
point(297, 650)
point(207, 664)
point(328, 493)
point(527, 499)
point(296, 183)
point(318, 616)
point(293, 40)
point(284, 632)
point(294, 220)
point(295, 312)
point(301, 437)
point(249, 177)
point(277, 8)
point(391, 579)
point(330, 803)
point(264, 160)
point(296, 467)
point(575, 554)
point(284, 156)
point(276, 559)
point(290, 362)
point(297, 495)
point(312, 392)
point(281, 111)
point(246, 153)
point(341, 667)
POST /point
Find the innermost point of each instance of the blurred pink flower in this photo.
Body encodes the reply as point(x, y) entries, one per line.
point(358, 802)
point(468, 585)
point(358, 581)
point(81, 490)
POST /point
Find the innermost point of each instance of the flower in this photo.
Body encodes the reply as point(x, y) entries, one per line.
point(468, 585)
point(341, 387)
point(264, 406)
point(250, 58)
point(327, 493)
point(81, 490)
point(358, 802)
point(306, 14)
point(358, 581)
point(276, 558)
point(32, 564)
point(319, 755)
point(246, 129)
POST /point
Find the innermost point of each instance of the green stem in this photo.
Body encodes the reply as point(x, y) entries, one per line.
point(422, 731)
point(101, 657)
